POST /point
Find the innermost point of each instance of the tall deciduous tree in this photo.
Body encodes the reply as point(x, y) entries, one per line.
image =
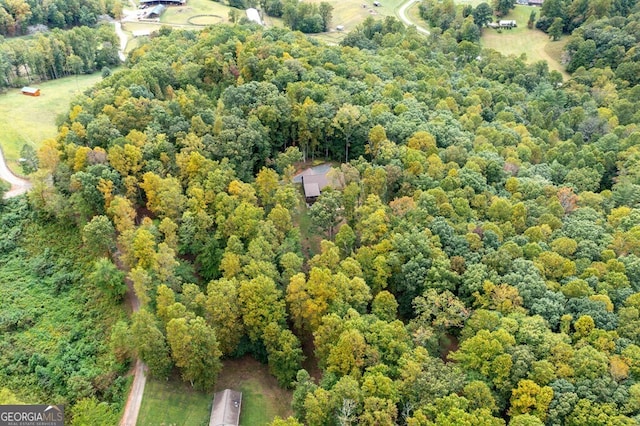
point(261, 304)
point(555, 30)
point(346, 121)
point(284, 353)
point(108, 278)
point(150, 344)
point(482, 14)
point(326, 212)
point(195, 350)
point(99, 236)
point(223, 313)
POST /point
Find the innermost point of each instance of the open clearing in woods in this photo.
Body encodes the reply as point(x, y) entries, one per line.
point(535, 44)
point(30, 120)
point(174, 402)
point(532, 42)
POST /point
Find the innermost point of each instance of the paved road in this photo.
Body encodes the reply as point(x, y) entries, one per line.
point(402, 14)
point(18, 185)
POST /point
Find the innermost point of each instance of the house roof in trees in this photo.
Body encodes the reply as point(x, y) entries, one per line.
point(311, 190)
point(313, 179)
point(226, 408)
point(314, 184)
point(536, 2)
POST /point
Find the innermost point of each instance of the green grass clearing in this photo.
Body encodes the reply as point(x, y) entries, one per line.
point(181, 14)
point(173, 402)
point(474, 3)
point(535, 44)
point(30, 120)
point(351, 13)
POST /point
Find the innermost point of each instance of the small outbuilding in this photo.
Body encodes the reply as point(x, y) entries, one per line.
point(141, 33)
point(507, 23)
point(226, 408)
point(536, 2)
point(30, 91)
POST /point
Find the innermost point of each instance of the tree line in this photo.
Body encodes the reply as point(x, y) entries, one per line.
point(56, 54)
point(572, 14)
point(17, 15)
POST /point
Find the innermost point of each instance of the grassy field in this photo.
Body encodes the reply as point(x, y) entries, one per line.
point(351, 13)
point(534, 43)
point(194, 16)
point(29, 120)
point(182, 14)
point(262, 398)
point(175, 403)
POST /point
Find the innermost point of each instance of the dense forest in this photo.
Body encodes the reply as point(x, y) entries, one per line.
point(480, 253)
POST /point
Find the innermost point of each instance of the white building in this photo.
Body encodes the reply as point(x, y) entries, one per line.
point(254, 16)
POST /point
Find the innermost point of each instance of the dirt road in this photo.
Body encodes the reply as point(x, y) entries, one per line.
point(18, 185)
point(402, 14)
point(131, 410)
point(123, 40)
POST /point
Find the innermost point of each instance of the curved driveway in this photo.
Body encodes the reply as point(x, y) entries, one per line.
point(402, 14)
point(18, 185)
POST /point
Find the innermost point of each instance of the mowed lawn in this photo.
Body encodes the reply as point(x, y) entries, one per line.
point(176, 403)
point(30, 120)
point(351, 13)
point(173, 402)
point(185, 14)
point(196, 15)
point(534, 43)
